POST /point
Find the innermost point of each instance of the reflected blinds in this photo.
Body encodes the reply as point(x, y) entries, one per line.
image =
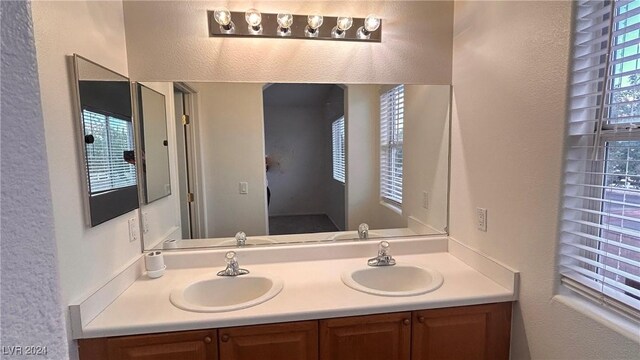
point(105, 155)
point(337, 129)
point(391, 136)
point(600, 240)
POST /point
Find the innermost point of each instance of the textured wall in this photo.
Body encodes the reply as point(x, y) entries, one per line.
point(507, 145)
point(31, 308)
point(94, 29)
point(168, 40)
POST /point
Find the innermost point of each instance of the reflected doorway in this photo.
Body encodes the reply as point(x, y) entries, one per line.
point(305, 157)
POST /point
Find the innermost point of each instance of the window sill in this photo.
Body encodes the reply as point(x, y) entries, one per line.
point(393, 208)
point(607, 317)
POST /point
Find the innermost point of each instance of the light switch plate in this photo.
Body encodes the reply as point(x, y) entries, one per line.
point(134, 230)
point(145, 223)
point(244, 188)
point(481, 219)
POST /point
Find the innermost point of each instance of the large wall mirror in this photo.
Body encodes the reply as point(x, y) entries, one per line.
point(107, 140)
point(292, 163)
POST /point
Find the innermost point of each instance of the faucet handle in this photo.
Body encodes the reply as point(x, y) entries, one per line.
point(230, 258)
point(363, 231)
point(233, 268)
point(383, 248)
point(384, 258)
point(241, 238)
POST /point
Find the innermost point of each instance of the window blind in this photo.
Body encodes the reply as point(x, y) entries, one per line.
point(337, 129)
point(112, 136)
point(600, 235)
point(391, 136)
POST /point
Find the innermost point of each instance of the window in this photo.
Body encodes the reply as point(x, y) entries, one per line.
point(112, 139)
point(600, 240)
point(391, 134)
point(337, 129)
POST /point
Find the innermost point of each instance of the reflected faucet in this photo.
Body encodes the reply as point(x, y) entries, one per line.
point(384, 258)
point(363, 231)
point(233, 268)
point(241, 238)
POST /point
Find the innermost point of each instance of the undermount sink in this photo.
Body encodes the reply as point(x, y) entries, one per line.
point(347, 235)
point(398, 280)
point(223, 293)
point(251, 240)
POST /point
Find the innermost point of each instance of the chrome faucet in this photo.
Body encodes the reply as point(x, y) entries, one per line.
point(384, 258)
point(363, 231)
point(241, 238)
point(233, 268)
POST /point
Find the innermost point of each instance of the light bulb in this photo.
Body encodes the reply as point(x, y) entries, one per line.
point(223, 17)
point(344, 23)
point(314, 21)
point(254, 18)
point(371, 23)
point(313, 24)
point(285, 20)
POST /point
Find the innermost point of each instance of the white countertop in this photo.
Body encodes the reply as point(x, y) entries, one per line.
point(312, 290)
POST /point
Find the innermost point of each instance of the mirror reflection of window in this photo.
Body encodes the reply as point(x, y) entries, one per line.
point(391, 144)
point(107, 141)
point(109, 152)
point(337, 129)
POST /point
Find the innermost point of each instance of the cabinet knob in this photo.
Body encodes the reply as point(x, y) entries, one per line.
point(421, 319)
point(225, 338)
point(207, 340)
point(406, 321)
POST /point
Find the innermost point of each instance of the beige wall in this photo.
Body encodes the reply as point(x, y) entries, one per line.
point(88, 256)
point(168, 40)
point(363, 167)
point(163, 215)
point(426, 153)
point(230, 132)
point(426, 161)
point(510, 70)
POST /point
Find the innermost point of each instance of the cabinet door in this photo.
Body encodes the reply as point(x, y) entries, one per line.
point(375, 337)
point(469, 332)
point(297, 340)
point(185, 345)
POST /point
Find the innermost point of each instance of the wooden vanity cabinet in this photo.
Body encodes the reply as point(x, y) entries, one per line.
point(184, 345)
point(297, 340)
point(468, 332)
point(371, 337)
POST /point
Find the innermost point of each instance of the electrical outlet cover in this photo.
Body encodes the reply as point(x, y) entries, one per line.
point(481, 219)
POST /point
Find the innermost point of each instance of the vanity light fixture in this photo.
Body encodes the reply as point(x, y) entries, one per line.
point(344, 23)
point(223, 17)
point(313, 24)
point(285, 25)
point(285, 20)
point(254, 19)
point(371, 24)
